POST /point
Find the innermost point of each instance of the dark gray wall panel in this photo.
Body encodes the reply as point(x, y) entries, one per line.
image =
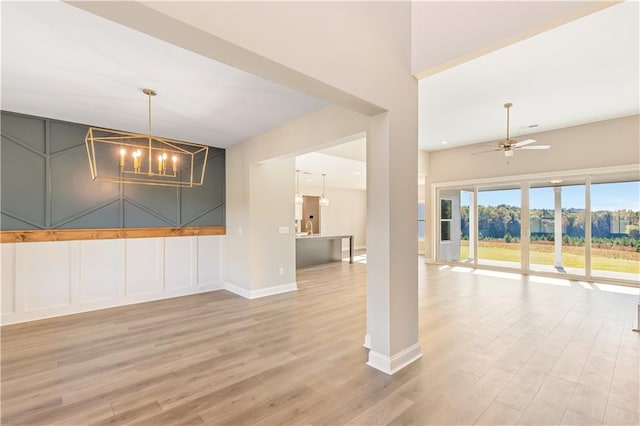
point(73, 200)
point(9, 222)
point(29, 131)
point(196, 201)
point(66, 135)
point(23, 183)
point(72, 190)
point(136, 217)
point(106, 217)
point(216, 215)
point(162, 200)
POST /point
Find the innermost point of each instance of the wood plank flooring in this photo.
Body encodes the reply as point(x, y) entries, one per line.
point(498, 349)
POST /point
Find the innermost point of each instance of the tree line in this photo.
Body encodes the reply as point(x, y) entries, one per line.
point(503, 222)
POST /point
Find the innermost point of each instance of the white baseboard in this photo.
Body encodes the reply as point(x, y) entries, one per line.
point(270, 291)
point(395, 363)
point(367, 341)
point(58, 311)
point(205, 287)
point(236, 289)
point(261, 292)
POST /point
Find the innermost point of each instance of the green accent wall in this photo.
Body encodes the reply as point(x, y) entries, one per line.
point(45, 183)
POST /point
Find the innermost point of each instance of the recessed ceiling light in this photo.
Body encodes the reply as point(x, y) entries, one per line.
point(445, 142)
point(555, 181)
point(356, 173)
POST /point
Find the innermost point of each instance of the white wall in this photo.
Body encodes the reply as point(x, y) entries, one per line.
point(272, 253)
point(601, 144)
point(42, 280)
point(260, 199)
point(346, 213)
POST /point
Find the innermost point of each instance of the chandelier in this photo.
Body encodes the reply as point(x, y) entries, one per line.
point(124, 157)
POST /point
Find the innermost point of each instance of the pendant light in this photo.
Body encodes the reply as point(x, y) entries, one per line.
point(324, 201)
point(135, 158)
point(298, 198)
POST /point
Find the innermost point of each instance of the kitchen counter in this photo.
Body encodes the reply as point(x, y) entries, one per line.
point(318, 249)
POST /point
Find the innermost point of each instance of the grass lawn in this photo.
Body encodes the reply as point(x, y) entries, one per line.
point(572, 256)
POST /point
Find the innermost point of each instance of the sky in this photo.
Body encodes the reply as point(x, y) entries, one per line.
point(604, 196)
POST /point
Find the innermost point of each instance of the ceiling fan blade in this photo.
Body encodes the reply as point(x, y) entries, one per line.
point(534, 147)
point(523, 143)
point(484, 152)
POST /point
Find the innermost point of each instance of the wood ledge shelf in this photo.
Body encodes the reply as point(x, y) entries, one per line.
point(32, 236)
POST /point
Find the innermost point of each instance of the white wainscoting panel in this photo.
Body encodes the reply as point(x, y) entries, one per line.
point(144, 270)
point(7, 277)
point(178, 253)
point(43, 274)
point(48, 279)
point(209, 254)
point(101, 274)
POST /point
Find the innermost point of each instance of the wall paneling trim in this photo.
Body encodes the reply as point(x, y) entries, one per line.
point(47, 279)
point(105, 234)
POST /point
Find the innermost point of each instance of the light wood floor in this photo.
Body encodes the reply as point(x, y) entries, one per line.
point(496, 351)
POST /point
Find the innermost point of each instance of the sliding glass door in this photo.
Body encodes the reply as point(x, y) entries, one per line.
point(482, 225)
point(615, 236)
point(499, 227)
point(448, 229)
point(557, 227)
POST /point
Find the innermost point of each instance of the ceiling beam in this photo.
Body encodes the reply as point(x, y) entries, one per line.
point(156, 24)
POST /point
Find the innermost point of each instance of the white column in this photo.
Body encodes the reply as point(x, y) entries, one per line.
point(557, 232)
point(392, 267)
point(472, 225)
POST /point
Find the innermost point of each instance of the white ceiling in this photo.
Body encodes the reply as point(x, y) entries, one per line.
point(61, 62)
point(341, 170)
point(354, 150)
point(584, 71)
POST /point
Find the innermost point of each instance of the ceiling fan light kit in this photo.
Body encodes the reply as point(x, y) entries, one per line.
point(508, 145)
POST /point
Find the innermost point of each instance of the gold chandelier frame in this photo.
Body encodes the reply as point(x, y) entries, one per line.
point(134, 158)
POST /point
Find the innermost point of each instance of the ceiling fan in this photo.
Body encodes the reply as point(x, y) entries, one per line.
point(508, 146)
